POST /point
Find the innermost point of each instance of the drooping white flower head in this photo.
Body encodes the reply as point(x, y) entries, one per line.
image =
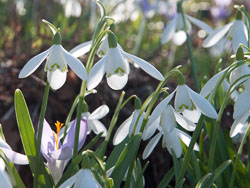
point(166, 123)
point(116, 66)
point(73, 8)
point(56, 65)
point(235, 31)
point(175, 30)
point(83, 178)
point(93, 120)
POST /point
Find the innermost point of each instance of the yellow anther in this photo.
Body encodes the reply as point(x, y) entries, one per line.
point(56, 136)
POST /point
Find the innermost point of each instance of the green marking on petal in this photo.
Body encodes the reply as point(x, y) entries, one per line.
point(119, 70)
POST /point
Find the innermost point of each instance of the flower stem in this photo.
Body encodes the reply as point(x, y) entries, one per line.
point(188, 154)
point(238, 157)
point(39, 135)
point(189, 44)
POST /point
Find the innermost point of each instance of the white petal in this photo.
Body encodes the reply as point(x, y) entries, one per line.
point(144, 65)
point(14, 157)
point(81, 49)
point(104, 47)
point(98, 127)
point(238, 124)
point(100, 112)
point(200, 24)
point(160, 107)
point(3, 144)
point(184, 122)
point(172, 142)
point(33, 64)
point(202, 104)
point(75, 64)
point(85, 179)
point(182, 100)
point(56, 78)
point(122, 131)
point(186, 139)
point(134, 119)
point(150, 129)
point(239, 35)
point(216, 35)
point(96, 74)
point(2, 165)
point(151, 145)
point(242, 104)
point(117, 82)
point(167, 121)
point(169, 31)
point(240, 71)
point(192, 115)
point(4, 179)
point(211, 83)
point(69, 182)
point(179, 38)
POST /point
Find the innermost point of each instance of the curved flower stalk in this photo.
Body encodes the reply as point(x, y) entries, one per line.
point(83, 178)
point(73, 8)
point(116, 66)
point(175, 30)
point(235, 31)
point(127, 127)
point(171, 135)
point(56, 65)
point(58, 154)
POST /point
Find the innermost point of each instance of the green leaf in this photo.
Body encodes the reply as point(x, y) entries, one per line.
point(27, 134)
point(166, 179)
point(204, 181)
point(125, 159)
point(139, 179)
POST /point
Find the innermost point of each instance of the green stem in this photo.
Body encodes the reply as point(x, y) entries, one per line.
point(189, 44)
point(188, 154)
point(40, 131)
point(238, 157)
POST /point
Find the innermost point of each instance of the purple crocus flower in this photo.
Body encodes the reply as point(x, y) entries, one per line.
point(56, 153)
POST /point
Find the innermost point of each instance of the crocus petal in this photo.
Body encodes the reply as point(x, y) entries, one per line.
point(202, 104)
point(81, 49)
point(63, 153)
point(239, 35)
point(192, 115)
point(160, 107)
point(144, 65)
point(97, 72)
point(172, 142)
point(98, 127)
point(182, 100)
point(238, 124)
point(169, 31)
point(56, 168)
point(200, 24)
point(150, 129)
point(122, 131)
point(242, 104)
point(4, 179)
point(99, 112)
point(211, 83)
point(69, 139)
point(56, 78)
point(14, 157)
point(184, 122)
point(216, 35)
point(117, 82)
point(33, 64)
point(151, 145)
point(75, 64)
point(186, 139)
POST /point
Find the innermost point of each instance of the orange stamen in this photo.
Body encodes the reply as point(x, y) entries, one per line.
point(56, 136)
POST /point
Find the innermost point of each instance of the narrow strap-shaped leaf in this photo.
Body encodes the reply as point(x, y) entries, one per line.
point(139, 180)
point(124, 160)
point(204, 181)
point(166, 179)
point(27, 134)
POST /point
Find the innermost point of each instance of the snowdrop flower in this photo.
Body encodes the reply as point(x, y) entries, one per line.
point(171, 135)
point(93, 120)
point(240, 124)
point(235, 31)
point(58, 154)
point(83, 178)
point(56, 65)
point(73, 8)
point(5, 180)
point(116, 66)
point(175, 30)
